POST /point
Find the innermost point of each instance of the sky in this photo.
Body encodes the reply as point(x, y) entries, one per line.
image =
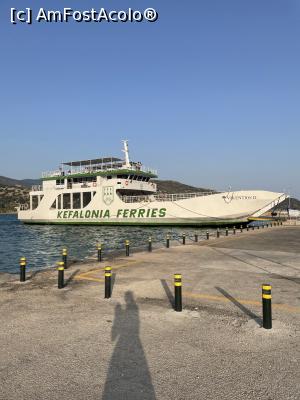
point(209, 94)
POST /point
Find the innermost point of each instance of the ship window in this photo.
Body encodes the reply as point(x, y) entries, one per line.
point(60, 181)
point(53, 205)
point(139, 178)
point(86, 198)
point(131, 177)
point(147, 179)
point(35, 202)
point(108, 177)
point(66, 201)
point(76, 200)
point(59, 202)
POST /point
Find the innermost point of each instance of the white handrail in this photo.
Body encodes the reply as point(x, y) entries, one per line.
point(164, 197)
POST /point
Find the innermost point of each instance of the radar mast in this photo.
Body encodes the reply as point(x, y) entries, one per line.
point(126, 151)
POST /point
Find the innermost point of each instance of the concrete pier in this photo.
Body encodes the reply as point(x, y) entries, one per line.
point(74, 344)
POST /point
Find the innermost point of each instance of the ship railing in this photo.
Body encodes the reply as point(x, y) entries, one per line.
point(90, 170)
point(164, 197)
point(137, 199)
point(180, 196)
point(36, 188)
point(24, 207)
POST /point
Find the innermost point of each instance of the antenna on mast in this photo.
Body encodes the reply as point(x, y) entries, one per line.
point(126, 151)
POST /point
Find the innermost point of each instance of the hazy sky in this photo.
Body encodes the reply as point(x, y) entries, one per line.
point(209, 94)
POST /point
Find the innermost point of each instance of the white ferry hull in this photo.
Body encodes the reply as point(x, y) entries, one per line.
point(219, 208)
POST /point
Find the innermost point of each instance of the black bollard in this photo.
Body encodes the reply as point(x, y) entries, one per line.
point(64, 257)
point(257, 226)
point(99, 251)
point(168, 241)
point(150, 244)
point(22, 269)
point(226, 232)
point(253, 227)
point(207, 235)
point(267, 306)
point(271, 225)
point(178, 294)
point(61, 270)
point(234, 230)
point(218, 233)
point(263, 226)
point(196, 237)
point(281, 223)
point(247, 227)
point(241, 228)
point(127, 248)
point(107, 282)
point(183, 238)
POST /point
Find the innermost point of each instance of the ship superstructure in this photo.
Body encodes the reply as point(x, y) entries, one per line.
point(111, 190)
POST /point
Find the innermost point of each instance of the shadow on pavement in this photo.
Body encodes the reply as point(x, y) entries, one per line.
point(240, 306)
point(71, 277)
point(128, 376)
point(168, 292)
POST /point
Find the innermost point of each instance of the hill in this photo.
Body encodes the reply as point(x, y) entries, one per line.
point(4, 181)
point(12, 196)
point(292, 203)
point(177, 187)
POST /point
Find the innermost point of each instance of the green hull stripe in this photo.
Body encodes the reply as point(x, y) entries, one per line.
point(177, 223)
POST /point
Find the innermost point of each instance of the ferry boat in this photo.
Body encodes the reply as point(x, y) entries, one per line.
point(116, 191)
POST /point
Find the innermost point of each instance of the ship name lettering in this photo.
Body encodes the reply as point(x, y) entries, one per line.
point(141, 213)
point(121, 213)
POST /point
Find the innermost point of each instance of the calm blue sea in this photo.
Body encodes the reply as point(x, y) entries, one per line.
point(42, 244)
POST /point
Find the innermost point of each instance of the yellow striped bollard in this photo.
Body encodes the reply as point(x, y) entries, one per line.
point(22, 269)
point(168, 241)
point(61, 270)
point(177, 292)
point(107, 282)
point(150, 244)
point(127, 248)
point(267, 305)
point(65, 257)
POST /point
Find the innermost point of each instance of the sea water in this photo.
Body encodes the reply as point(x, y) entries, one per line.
point(42, 244)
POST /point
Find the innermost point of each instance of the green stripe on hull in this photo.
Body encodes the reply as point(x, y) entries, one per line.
point(111, 223)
